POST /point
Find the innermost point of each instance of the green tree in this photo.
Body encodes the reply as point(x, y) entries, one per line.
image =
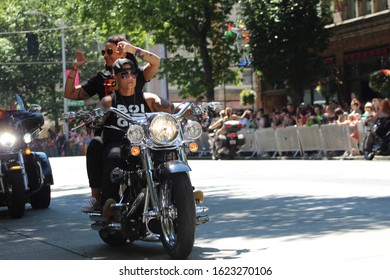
point(37, 78)
point(197, 27)
point(286, 38)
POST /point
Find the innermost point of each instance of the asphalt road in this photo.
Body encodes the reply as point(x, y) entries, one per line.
point(333, 214)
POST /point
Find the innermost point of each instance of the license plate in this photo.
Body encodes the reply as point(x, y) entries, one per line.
point(232, 142)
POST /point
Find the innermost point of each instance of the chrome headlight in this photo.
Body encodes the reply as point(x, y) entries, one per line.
point(27, 138)
point(164, 129)
point(7, 140)
point(193, 130)
point(135, 133)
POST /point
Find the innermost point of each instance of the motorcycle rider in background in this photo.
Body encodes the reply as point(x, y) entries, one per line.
point(229, 116)
point(381, 116)
point(219, 128)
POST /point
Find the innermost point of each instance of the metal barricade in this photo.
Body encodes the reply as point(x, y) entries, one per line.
point(311, 139)
point(336, 138)
point(266, 141)
point(250, 141)
point(287, 140)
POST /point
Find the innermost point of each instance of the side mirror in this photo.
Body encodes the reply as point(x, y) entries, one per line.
point(34, 108)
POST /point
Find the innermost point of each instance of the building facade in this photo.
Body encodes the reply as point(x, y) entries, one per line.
point(359, 45)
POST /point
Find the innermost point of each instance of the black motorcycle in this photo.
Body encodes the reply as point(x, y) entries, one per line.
point(377, 139)
point(157, 198)
point(228, 144)
point(25, 175)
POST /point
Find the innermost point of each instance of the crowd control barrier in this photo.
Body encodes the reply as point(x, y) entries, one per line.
point(318, 140)
point(287, 140)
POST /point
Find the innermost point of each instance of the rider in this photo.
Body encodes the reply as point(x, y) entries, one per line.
point(128, 99)
point(382, 115)
point(102, 84)
point(228, 117)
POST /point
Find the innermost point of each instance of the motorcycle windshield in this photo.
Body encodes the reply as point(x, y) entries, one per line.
point(12, 110)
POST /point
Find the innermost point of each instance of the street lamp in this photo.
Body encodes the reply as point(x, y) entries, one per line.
point(62, 27)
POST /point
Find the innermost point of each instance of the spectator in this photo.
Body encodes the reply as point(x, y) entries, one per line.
point(329, 115)
point(341, 117)
point(368, 112)
point(252, 123)
point(61, 143)
point(355, 107)
point(264, 122)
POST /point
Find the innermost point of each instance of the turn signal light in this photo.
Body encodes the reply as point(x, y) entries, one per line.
point(135, 151)
point(15, 167)
point(27, 151)
point(193, 147)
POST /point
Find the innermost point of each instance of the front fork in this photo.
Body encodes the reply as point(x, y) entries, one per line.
point(18, 164)
point(151, 191)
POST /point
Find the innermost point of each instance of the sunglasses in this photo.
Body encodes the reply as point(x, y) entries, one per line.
point(109, 52)
point(126, 74)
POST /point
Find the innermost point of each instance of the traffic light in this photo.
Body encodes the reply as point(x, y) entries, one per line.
point(32, 44)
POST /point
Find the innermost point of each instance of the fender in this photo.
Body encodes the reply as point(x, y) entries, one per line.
point(174, 166)
point(45, 164)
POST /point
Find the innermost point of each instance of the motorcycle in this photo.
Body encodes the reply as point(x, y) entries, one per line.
point(228, 144)
point(377, 139)
point(157, 200)
point(25, 175)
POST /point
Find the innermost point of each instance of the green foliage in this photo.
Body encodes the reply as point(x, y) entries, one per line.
point(247, 97)
point(379, 81)
point(195, 27)
point(286, 38)
point(38, 78)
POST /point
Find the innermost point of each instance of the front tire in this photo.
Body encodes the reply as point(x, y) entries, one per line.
point(42, 198)
point(178, 216)
point(17, 199)
point(368, 152)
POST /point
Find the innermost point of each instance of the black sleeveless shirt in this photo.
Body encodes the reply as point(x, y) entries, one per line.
point(115, 126)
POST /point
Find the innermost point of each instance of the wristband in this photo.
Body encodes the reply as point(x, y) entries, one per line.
point(137, 52)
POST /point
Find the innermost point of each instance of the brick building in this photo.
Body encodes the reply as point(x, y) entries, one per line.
point(359, 44)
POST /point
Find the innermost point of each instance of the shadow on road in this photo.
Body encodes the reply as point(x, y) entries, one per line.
point(293, 217)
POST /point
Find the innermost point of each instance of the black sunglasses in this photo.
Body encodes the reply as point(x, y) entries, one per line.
point(109, 52)
point(127, 73)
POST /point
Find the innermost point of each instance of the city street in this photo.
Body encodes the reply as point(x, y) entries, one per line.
point(281, 213)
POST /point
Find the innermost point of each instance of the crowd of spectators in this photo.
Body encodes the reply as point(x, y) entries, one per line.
point(56, 144)
point(311, 114)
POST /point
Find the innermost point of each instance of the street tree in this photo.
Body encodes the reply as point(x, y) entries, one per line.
point(191, 31)
point(31, 52)
point(286, 39)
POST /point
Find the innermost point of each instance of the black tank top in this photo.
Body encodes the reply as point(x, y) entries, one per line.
point(116, 127)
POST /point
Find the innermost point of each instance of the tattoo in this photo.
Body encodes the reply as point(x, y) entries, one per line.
point(81, 94)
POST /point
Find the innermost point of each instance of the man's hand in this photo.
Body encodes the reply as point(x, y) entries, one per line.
point(80, 59)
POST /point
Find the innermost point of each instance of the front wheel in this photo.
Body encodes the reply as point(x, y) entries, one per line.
point(368, 152)
point(41, 199)
point(17, 199)
point(178, 216)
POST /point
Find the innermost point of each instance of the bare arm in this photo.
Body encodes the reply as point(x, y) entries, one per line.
point(217, 124)
point(235, 117)
point(71, 91)
point(158, 104)
point(152, 59)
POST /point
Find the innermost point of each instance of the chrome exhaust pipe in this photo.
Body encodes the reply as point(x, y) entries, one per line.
point(202, 219)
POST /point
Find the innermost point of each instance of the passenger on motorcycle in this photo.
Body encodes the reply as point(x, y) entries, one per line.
point(103, 84)
point(230, 116)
